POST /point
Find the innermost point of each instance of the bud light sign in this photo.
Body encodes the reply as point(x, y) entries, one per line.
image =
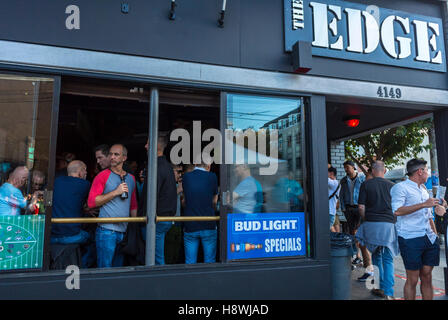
point(265, 235)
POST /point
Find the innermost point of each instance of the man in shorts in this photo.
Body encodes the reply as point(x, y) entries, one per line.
point(417, 235)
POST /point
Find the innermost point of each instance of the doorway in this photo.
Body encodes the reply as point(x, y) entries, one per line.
point(94, 112)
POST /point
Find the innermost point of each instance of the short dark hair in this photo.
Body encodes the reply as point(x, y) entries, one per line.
point(162, 140)
point(414, 164)
point(350, 163)
point(378, 165)
point(333, 170)
point(104, 148)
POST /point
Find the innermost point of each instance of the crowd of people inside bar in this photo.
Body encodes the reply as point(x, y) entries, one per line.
point(118, 188)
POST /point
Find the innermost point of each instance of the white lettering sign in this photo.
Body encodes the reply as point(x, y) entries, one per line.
point(266, 225)
point(297, 15)
point(327, 21)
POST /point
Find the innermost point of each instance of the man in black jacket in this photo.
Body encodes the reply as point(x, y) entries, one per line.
point(166, 198)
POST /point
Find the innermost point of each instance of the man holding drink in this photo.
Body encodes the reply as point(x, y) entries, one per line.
point(108, 191)
point(417, 235)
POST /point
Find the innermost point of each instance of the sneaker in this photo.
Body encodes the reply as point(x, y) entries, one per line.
point(389, 298)
point(378, 293)
point(356, 261)
point(365, 276)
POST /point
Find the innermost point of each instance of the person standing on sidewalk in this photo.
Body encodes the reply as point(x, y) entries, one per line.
point(333, 197)
point(377, 232)
point(417, 235)
point(348, 199)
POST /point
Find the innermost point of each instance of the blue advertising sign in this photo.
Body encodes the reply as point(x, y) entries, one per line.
point(366, 33)
point(265, 235)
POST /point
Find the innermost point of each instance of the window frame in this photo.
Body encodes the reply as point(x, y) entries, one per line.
point(223, 92)
point(304, 144)
point(51, 165)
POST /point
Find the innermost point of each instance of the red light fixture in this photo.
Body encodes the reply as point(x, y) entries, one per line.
point(352, 121)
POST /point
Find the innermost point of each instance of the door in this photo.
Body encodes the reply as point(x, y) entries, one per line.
point(263, 187)
point(28, 108)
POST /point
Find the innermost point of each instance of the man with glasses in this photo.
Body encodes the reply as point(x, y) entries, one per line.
point(417, 235)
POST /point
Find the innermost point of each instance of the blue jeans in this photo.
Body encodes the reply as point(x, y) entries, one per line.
point(161, 229)
point(191, 244)
point(81, 238)
point(382, 258)
point(106, 242)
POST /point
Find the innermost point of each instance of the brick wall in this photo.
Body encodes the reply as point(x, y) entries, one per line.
point(337, 157)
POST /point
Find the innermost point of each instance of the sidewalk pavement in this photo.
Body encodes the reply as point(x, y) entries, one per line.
point(361, 292)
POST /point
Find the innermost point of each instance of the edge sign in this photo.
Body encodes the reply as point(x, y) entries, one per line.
point(358, 32)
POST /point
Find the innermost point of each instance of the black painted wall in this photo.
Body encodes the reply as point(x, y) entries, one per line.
point(315, 114)
point(441, 130)
point(268, 281)
point(252, 37)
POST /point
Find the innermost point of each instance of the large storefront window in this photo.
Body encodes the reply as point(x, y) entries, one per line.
point(266, 198)
point(25, 122)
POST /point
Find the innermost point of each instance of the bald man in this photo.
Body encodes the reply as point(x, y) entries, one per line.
point(108, 192)
point(70, 195)
point(11, 198)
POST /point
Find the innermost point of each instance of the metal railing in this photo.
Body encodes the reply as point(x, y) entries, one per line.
point(132, 219)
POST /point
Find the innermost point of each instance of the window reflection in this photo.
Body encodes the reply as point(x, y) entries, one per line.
point(248, 194)
point(251, 191)
point(25, 108)
point(266, 208)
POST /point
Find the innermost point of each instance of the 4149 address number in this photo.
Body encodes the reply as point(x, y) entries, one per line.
point(389, 92)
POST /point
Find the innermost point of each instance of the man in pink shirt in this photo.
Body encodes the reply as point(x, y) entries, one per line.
point(114, 191)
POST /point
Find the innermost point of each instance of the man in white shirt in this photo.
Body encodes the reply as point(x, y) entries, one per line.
point(333, 195)
point(417, 235)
